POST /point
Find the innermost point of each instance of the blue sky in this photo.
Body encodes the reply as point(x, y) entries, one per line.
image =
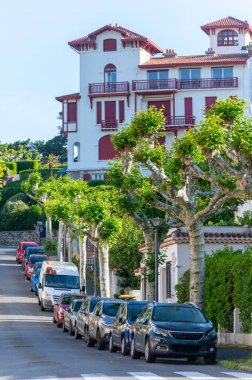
point(36, 63)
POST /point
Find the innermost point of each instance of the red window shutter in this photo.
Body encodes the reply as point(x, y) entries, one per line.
point(110, 111)
point(161, 140)
point(209, 100)
point(106, 148)
point(72, 112)
point(98, 112)
point(86, 177)
point(188, 107)
point(159, 104)
point(109, 44)
point(121, 111)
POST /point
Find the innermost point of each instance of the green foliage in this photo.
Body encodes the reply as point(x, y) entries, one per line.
point(246, 218)
point(228, 285)
point(43, 171)
point(229, 109)
point(11, 167)
point(124, 255)
point(8, 191)
point(50, 246)
point(20, 216)
point(29, 164)
point(241, 137)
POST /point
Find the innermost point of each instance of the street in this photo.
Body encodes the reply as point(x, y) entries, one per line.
point(31, 347)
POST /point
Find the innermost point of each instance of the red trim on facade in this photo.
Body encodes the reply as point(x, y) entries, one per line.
point(115, 95)
point(98, 112)
point(121, 111)
point(106, 149)
point(110, 44)
point(227, 22)
point(75, 96)
point(188, 107)
point(209, 101)
point(72, 112)
point(86, 177)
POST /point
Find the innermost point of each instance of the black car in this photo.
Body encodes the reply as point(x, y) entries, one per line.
point(173, 330)
point(121, 330)
point(31, 251)
point(100, 322)
point(82, 320)
point(70, 315)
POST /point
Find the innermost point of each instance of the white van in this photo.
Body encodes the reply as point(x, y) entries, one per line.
point(56, 278)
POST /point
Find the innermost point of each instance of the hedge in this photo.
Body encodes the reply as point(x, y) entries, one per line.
point(228, 285)
point(11, 167)
point(28, 164)
point(45, 172)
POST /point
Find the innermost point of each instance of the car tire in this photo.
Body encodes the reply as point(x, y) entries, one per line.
point(112, 348)
point(64, 327)
point(191, 359)
point(210, 359)
point(76, 334)
point(100, 344)
point(134, 354)
point(124, 350)
point(71, 330)
point(149, 357)
point(90, 341)
point(42, 306)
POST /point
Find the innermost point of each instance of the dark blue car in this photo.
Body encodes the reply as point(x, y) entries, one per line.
point(121, 330)
point(35, 277)
point(173, 331)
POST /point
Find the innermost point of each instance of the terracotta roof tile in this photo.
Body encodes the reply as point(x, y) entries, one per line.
point(226, 22)
point(193, 60)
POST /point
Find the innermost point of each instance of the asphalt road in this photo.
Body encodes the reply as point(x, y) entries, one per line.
point(31, 347)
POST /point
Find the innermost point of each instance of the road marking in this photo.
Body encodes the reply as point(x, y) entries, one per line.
point(240, 375)
point(95, 376)
point(144, 375)
point(196, 375)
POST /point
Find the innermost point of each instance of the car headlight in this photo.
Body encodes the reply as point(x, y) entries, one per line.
point(160, 331)
point(47, 296)
point(211, 334)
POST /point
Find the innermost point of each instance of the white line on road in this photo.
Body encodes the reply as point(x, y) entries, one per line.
point(95, 376)
point(196, 375)
point(144, 375)
point(240, 375)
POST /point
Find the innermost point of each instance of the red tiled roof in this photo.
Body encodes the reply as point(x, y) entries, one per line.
point(74, 96)
point(226, 22)
point(127, 35)
point(195, 60)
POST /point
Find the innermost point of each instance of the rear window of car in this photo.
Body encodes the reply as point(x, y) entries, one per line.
point(178, 314)
point(134, 311)
point(77, 306)
point(34, 260)
point(67, 299)
point(24, 246)
point(110, 309)
point(34, 251)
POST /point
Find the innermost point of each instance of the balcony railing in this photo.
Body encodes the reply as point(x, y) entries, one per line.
point(174, 121)
point(109, 125)
point(183, 84)
point(108, 88)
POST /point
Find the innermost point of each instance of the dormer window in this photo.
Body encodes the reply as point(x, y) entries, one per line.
point(227, 38)
point(109, 44)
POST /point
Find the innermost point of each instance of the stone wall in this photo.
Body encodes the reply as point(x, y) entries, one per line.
point(12, 238)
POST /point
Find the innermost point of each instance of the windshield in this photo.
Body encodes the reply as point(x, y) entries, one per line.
point(67, 299)
point(62, 281)
point(24, 246)
point(134, 311)
point(178, 314)
point(92, 304)
point(110, 309)
point(35, 259)
point(77, 306)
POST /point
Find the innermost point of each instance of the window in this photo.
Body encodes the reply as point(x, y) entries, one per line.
point(110, 74)
point(188, 103)
point(97, 176)
point(76, 152)
point(168, 279)
point(163, 74)
point(158, 79)
point(227, 38)
point(189, 74)
point(71, 112)
point(109, 44)
point(222, 72)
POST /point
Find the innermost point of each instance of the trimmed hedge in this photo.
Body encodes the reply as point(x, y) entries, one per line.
point(45, 173)
point(11, 167)
point(28, 164)
point(228, 285)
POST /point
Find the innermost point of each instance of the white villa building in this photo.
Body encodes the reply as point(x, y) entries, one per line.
point(122, 72)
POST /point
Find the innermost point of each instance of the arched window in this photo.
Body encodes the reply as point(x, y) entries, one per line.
point(106, 148)
point(110, 73)
point(227, 38)
point(76, 152)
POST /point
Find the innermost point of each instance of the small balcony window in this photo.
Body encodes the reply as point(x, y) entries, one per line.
point(189, 74)
point(222, 72)
point(227, 38)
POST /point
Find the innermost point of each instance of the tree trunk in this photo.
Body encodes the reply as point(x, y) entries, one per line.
point(150, 246)
point(83, 260)
point(69, 252)
point(104, 271)
point(48, 228)
point(60, 242)
point(197, 264)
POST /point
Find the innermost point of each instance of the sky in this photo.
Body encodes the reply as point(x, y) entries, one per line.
point(36, 63)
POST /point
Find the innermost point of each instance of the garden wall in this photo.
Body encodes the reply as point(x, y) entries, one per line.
point(12, 238)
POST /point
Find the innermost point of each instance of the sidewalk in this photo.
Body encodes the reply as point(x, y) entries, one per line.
point(234, 352)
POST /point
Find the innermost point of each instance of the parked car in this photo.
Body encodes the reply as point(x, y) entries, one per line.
point(21, 249)
point(59, 307)
point(121, 330)
point(173, 330)
point(35, 277)
point(83, 315)
point(31, 261)
point(100, 323)
point(31, 251)
point(70, 315)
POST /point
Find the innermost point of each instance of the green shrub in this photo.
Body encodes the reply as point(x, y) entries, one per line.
point(51, 246)
point(28, 164)
point(8, 191)
point(20, 216)
point(11, 167)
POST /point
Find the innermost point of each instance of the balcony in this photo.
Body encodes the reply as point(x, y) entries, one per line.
point(174, 121)
point(108, 89)
point(109, 125)
point(183, 84)
point(154, 85)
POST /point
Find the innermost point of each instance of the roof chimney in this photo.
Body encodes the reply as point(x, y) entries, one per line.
point(210, 51)
point(169, 53)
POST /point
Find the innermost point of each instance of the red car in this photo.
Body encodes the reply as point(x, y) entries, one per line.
point(32, 259)
point(22, 247)
point(63, 302)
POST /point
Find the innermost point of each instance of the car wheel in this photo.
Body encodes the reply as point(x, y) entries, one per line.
point(133, 352)
point(112, 348)
point(42, 306)
point(100, 344)
point(76, 334)
point(71, 330)
point(149, 357)
point(64, 327)
point(210, 359)
point(54, 320)
point(90, 341)
point(124, 350)
point(191, 359)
